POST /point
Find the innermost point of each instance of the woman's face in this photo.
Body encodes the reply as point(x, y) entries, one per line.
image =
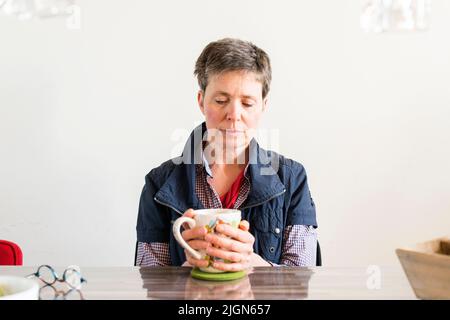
point(233, 105)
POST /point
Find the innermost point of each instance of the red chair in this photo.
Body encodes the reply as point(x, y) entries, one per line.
point(10, 254)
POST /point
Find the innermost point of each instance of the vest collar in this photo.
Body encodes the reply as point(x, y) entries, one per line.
point(178, 192)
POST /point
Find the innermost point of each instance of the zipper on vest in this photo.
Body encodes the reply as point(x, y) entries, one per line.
point(277, 195)
point(167, 205)
point(257, 204)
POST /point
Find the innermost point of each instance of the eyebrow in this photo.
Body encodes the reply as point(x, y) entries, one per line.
point(229, 95)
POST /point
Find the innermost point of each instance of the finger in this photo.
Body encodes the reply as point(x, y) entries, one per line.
point(199, 244)
point(195, 233)
point(195, 262)
point(244, 225)
point(227, 255)
point(190, 214)
point(240, 235)
point(229, 266)
point(229, 244)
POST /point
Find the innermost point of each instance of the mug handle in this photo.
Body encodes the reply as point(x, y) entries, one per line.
point(176, 233)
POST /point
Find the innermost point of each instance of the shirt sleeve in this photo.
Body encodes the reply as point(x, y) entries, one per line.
point(301, 208)
point(299, 246)
point(153, 254)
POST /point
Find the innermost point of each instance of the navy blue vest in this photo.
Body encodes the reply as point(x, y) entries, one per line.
point(279, 196)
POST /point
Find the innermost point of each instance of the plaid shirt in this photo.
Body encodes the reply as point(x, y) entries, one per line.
point(299, 241)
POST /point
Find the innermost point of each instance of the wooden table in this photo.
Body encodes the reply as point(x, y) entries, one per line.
point(261, 283)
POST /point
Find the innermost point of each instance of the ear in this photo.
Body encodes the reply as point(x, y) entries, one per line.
point(200, 100)
point(265, 104)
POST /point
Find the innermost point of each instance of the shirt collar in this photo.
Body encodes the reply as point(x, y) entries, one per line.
point(206, 165)
point(208, 168)
point(178, 191)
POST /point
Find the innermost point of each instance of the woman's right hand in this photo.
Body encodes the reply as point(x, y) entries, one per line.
point(195, 238)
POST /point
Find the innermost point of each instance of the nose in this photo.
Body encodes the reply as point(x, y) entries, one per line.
point(234, 111)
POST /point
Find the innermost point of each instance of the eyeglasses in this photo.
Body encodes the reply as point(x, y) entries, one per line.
point(48, 275)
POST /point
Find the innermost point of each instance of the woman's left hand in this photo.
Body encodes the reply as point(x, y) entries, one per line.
point(237, 247)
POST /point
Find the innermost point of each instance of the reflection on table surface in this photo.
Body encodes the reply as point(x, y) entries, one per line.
point(178, 284)
point(262, 283)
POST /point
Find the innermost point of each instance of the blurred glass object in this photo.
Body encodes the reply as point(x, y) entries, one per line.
point(395, 15)
point(27, 9)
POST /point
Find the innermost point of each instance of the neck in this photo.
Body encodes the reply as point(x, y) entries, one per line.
point(223, 157)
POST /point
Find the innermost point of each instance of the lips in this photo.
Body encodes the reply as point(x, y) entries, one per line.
point(232, 131)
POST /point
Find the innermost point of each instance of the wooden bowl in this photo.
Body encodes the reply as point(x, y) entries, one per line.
point(427, 267)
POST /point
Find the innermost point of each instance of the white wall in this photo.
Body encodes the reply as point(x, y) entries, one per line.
point(85, 114)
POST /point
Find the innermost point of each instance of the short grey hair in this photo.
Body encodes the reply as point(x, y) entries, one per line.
point(233, 54)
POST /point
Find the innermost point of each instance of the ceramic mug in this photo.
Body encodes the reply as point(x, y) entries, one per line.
point(208, 218)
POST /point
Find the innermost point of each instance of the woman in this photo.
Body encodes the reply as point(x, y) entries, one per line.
point(222, 166)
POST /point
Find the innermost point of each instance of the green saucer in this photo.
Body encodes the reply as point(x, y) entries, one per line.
point(225, 276)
